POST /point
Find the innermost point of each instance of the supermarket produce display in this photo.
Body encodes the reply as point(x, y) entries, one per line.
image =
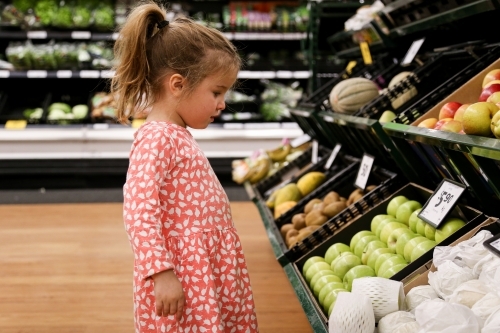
point(419, 126)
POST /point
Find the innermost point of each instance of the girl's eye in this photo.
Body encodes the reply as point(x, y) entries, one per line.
point(216, 94)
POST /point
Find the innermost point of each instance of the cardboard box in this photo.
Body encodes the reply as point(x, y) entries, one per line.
point(468, 93)
point(421, 276)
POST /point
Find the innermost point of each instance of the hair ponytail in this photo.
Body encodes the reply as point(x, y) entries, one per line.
point(145, 55)
point(130, 84)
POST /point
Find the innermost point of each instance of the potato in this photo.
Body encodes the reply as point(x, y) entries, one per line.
point(315, 217)
point(299, 221)
point(331, 197)
point(291, 242)
point(291, 233)
point(285, 227)
point(334, 208)
point(370, 188)
point(309, 206)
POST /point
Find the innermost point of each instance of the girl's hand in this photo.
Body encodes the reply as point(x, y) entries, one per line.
point(169, 294)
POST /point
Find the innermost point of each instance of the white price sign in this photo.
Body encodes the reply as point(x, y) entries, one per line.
point(441, 202)
point(364, 171)
point(412, 52)
point(493, 244)
point(315, 147)
point(333, 155)
point(300, 140)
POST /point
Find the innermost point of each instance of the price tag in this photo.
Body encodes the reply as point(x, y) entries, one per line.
point(412, 52)
point(315, 148)
point(493, 244)
point(365, 52)
point(64, 74)
point(37, 34)
point(115, 35)
point(16, 124)
point(364, 171)
point(107, 74)
point(350, 66)
point(80, 34)
point(441, 202)
point(136, 123)
point(100, 126)
point(300, 140)
point(90, 74)
point(333, 155)
point(4, 74)
point(36, 74)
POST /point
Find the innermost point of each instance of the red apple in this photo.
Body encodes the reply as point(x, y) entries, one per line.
point(460, 112)
point(488, 91)
point(454, 126)
point(494, 98)
point(448, 110)
point(491, 76)
point(428, 123)
point(441, 122)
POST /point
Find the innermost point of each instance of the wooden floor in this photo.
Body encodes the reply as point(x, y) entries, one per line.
point(68, 268)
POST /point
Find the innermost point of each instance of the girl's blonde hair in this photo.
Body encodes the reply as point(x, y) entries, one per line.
point(145, 55)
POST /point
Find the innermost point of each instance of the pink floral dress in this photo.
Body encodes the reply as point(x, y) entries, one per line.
point(177, 216)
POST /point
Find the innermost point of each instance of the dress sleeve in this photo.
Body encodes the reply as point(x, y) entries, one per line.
point(150, 161)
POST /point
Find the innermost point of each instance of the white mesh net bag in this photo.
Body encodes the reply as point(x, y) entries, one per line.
point(386, 295)
point(352, 313)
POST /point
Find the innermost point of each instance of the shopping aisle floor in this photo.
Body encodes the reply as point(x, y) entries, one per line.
point(68, 268)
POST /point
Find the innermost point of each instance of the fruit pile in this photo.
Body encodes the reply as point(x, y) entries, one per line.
point(283, 199)
point(316, 213)
point(395, 240)
point(474, 118)
point(263, 164)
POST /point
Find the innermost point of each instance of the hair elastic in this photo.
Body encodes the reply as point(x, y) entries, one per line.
point(162, 24)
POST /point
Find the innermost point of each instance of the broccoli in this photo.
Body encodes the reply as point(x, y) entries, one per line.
point(63, 18)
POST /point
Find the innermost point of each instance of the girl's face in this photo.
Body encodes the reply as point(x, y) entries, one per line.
point(206, 102)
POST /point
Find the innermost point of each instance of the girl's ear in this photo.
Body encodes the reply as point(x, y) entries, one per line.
point(176, 84)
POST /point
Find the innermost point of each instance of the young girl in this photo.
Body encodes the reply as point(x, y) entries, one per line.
point(189, 270)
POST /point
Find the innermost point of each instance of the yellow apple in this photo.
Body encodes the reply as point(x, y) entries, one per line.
point(477, 118)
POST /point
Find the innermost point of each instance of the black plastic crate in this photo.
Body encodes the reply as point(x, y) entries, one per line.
point(342, 183)
point(14, 102)
point(428, 101)
point(292, 171)
point(412, 192)
point(437, 70)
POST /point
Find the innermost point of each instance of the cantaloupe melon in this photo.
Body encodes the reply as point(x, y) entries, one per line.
point(350, 95)
point(407, 95)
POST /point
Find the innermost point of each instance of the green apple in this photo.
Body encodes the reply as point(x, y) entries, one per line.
point(376, 221)
point(430, 232)
point(344, 263)
point(309, 262)
point(363, 241)
point(412, 243)
point(382, 224)
point(323, 281)
point(327, 289)
point(357, 237)
point(448, 227)
point(387, 116)
point(402, 240)
point(395, 202)
point(330, 310)
point(421, 227)
point(372, 259)
point(318, 275)
point(406, 209)
point(331, 298)
point(393, 270)
point(389, 262)
point(389, 228)
point(334, 251)
point(412, 222)
point(394, 236)
point(381, 259)
point(372, 246)
point(422, 248)
point(315, 268)
point(356, 273)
